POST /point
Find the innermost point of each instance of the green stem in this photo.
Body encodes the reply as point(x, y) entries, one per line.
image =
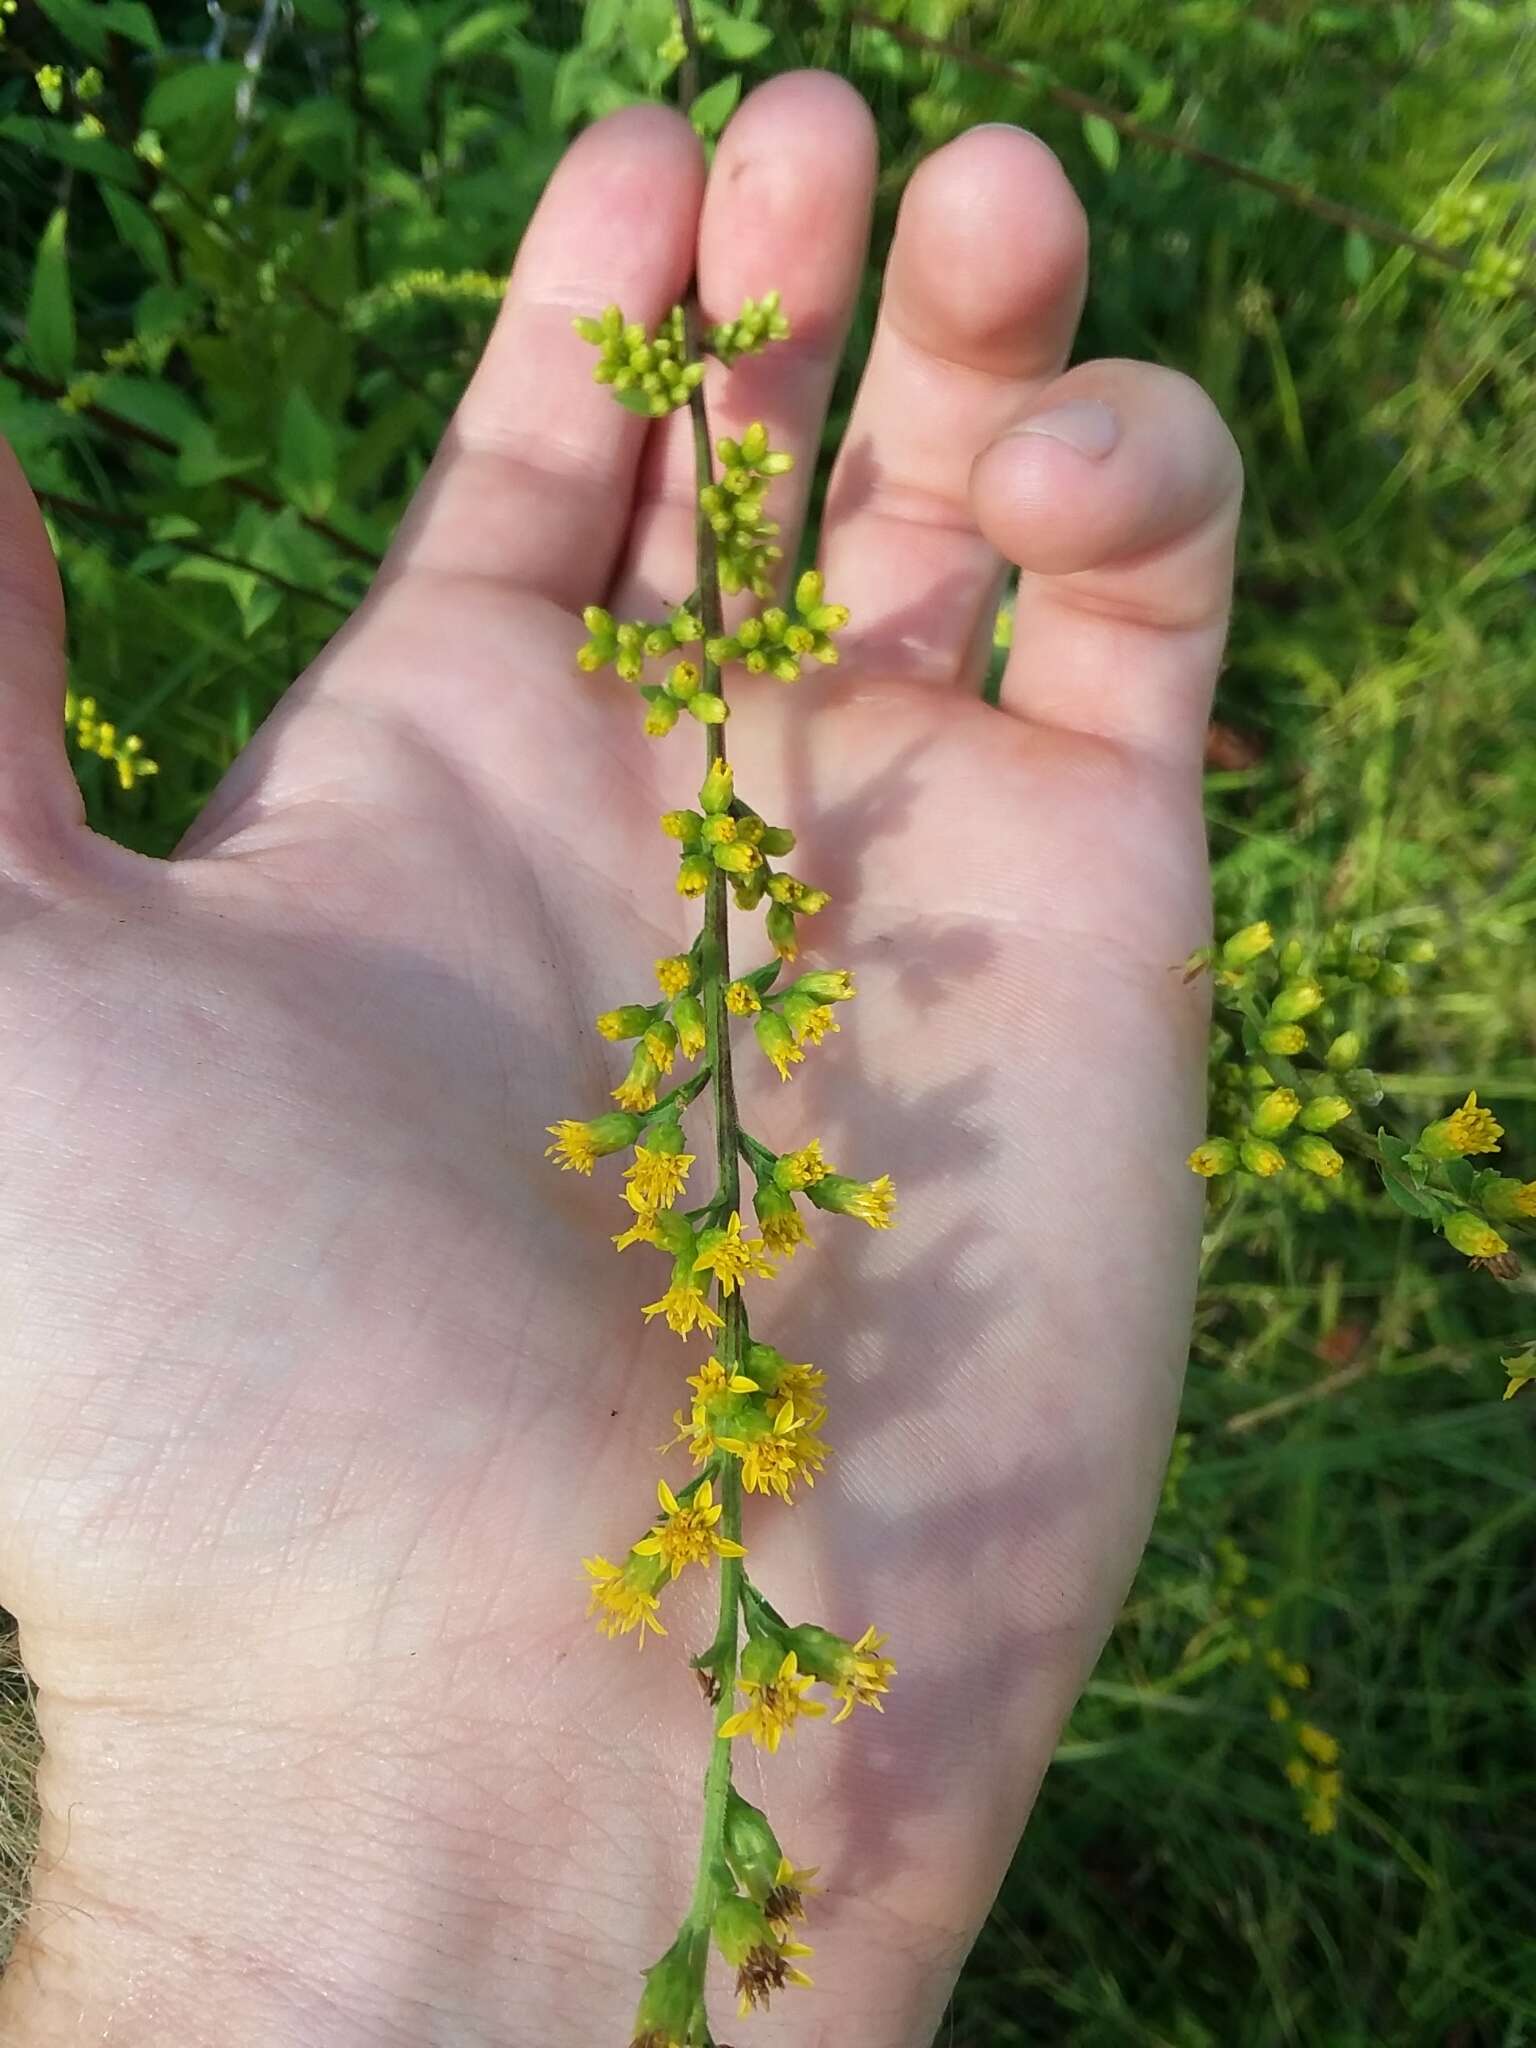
point(714, 977)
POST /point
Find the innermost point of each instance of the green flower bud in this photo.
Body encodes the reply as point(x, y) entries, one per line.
point(1324, 1111)
point(688, 1016)
point(661, 713)
point(1276, 1113)
point(782, 932)
point(777, 839)
point(1317, 1156)
point(707, 708)
point(1296, 1000)
point(1213, 1157)
point(1260, 1157)
point(1471, 1235)
point(1285, 1039)
point(833, 985)
point(1508, 1200)
point(630, 1020)
point(719, 788)
point(736, 857)
point(693, 873)
point(684, 680)
point(1392, 980)
point(684, 826)
point(1344, 1052)
point(670, 2009)
point(751, 1847)
point(1247, 945)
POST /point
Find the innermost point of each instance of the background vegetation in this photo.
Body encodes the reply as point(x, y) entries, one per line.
point(248, 252)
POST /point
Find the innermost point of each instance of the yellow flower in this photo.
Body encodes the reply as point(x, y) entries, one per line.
point(773, 1706)
point(688, 1535)
point(1297, 1773)
point(578, 1146)
point(801, 1169)
point(641, 1231)
point(674, 975)
point(786, 1900)
point(799, 1383)
point(625, 1597)
point(866, 1677)
point(1279, 1708)
point(785, 1231)
point(731, 1257)
point(809, 1023)
point(1468, 1129)
point(656, 1179)
point(1473, 1236)
point(773, 1456)
point(714, 1381)
point(637, 1090)
point(1321, 1747)
point(777, 1043)
point(684, 1306)
point(761, 1955)
point(872, 1201)
point(742, 999)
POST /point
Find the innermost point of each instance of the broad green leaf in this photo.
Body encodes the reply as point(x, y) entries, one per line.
point(715, 105)
point(84, 27)
point(203, 461)
point(137, 231)
point(306, 455)
point(201, 92)
point(92, 153)
point(1409, 1199)
point(484, 30)
point(738, 40)
point(128, 18)
point(1103, 139)
point(50, 309)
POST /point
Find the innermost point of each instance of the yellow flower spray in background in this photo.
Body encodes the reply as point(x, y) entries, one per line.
point(753, 1423)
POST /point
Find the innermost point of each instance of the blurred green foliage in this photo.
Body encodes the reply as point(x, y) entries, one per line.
point(249, 252)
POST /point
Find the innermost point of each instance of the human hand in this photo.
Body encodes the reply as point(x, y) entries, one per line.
point(319, 1379)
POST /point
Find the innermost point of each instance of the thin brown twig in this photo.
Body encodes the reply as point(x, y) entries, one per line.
point(1332, 210)
point(124, 429)
point(76, 508)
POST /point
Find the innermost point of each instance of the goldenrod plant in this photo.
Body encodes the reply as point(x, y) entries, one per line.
point(753, 1420)
point(1290, 1086)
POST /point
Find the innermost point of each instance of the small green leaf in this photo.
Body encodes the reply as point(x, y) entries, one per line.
point(306, 455)
point(50, 309)
point(739, 40)
point(203, 461)
point(202, 92)
point(137, 232)
point(634, 401)
point(1409, 1199)
point(1359, 258)
point(1103, 139)
point(128, 18)
point(715, 105)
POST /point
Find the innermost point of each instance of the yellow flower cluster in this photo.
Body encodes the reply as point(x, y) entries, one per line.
point(93, 734)
point(649, 372)
point(1312, 1767)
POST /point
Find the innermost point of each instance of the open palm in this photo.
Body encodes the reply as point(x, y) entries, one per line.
point(320, 1380)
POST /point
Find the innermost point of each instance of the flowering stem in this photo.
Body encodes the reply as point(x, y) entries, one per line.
point(714, 976)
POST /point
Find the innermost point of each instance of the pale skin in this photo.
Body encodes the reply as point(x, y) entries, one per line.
point(319, 1380)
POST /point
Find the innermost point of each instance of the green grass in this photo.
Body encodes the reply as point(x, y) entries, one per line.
point(1346, 1462)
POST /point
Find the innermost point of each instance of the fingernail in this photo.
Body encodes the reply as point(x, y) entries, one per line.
point(1085, 424)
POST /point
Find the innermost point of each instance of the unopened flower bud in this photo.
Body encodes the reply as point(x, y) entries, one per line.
point(736, 857)
point(719, 788)
point(1296, 1000)
point(1317, 1156)
point(1259, 1156)
point(1215, 1156)
point(693, 873)
point(1276, 1112)
point(1470, 1234)
point(782, 935)
point(1247, 945)
point(1324, 1111)
point(1510, 1200)
point(630, 1020)
point(661, 713)
point(834, 985)
point(683, 826)
point(1344, 1052)
point(688, 1016)
point(1285, 1039)
point(707, 708)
